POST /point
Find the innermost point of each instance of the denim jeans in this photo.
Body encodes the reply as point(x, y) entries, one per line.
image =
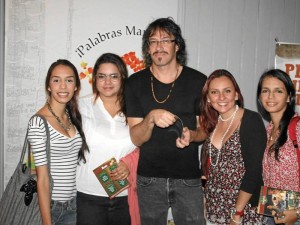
point(97, 210)
point(63, 213)
point(156, 195)
point(270, 221)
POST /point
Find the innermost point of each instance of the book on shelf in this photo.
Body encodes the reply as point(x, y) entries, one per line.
point(273, 201)
point(112, 187)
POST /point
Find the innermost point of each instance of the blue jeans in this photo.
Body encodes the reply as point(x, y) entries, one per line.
point(63, 213)
point(270, 221)
point(156, 195)
point(97, 210)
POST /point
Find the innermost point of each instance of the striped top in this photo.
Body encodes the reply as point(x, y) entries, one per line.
point(63, 156)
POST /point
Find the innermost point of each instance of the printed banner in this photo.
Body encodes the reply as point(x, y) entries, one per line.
point(287, 58)
point(37, 33)
point(96, 27)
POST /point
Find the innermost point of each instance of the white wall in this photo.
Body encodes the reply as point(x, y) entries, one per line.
point(237, 35)
point(40, 32)
point(1, 95)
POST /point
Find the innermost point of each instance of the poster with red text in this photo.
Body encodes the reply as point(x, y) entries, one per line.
point(287, 58)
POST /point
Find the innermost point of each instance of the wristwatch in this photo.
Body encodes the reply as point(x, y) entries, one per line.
point(235, 212)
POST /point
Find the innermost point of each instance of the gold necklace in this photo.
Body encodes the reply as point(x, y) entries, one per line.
point(152, 87)
point(66, 128)
point(274, 133)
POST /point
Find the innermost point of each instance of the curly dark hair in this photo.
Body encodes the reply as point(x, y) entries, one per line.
point(170, 27)
point(289, 111)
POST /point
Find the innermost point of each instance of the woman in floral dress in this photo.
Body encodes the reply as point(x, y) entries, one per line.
point(232, 155)
point(276, 102)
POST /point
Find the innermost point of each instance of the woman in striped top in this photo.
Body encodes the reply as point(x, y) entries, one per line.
point(67, 144)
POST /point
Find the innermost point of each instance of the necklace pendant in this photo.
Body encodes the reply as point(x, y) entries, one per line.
point(66, 128)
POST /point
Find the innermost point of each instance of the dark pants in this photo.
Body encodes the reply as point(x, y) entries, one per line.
point(96, 210)
point(156, 195)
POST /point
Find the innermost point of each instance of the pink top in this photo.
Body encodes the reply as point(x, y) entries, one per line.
point(282, 174)
point(131, 160)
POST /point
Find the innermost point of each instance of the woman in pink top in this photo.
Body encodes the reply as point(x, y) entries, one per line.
point(276, 102)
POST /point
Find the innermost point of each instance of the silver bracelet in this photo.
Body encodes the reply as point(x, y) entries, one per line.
point(237, 222)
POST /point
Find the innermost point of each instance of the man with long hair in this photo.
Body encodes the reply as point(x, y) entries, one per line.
point(162, 103)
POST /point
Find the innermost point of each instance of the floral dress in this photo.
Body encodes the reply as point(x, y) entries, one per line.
point(282, 174)
point(224, 181)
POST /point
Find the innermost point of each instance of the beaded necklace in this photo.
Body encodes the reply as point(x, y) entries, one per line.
point(222, 139)
point(152, 87)
point(66, 128)
point(230, 117)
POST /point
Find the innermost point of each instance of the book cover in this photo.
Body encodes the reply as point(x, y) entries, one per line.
point(112, 187)
point(273, 201)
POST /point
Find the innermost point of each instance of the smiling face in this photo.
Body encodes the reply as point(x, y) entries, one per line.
point(162, 53)
point(108, 80)
point(62, 84)
point(274, 96)
point(222, 96)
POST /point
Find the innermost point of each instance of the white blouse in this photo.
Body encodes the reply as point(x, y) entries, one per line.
point(106, 137)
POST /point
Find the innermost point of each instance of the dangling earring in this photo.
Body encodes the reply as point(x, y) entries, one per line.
point(208, 100)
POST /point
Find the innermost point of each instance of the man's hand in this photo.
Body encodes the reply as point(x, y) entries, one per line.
point(189, 136)
point(162, 118)
point(185, 138)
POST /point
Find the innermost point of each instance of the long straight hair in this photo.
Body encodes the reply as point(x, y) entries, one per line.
point(72, 105)
point(289, 111)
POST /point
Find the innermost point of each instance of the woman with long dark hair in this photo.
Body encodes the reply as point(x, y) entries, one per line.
point(276, 103)
point(107, 132)
point(67, 144)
